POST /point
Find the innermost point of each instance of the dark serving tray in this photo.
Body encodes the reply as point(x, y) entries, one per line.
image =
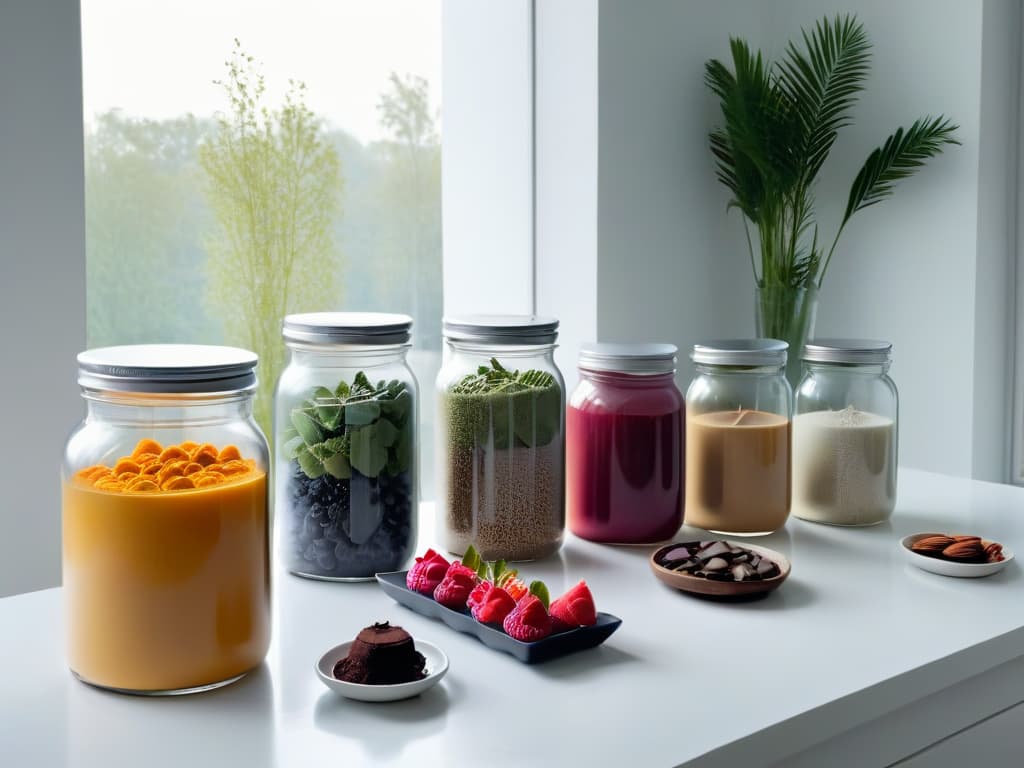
point(550, 647)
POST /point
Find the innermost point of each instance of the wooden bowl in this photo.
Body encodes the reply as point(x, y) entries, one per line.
point(722, 589)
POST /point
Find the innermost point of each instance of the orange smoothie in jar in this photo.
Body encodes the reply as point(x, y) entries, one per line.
point(166, 568)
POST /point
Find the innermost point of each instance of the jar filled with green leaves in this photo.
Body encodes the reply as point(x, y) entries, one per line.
point(501, 438)
point(345, 436)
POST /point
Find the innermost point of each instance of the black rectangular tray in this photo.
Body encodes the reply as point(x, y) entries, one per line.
point(551, 647)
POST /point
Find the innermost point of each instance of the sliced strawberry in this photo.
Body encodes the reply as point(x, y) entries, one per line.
point(516, 588)
point(528, 621)
point(454, 589)
point(496, 605)
point(575, 608)
point(427, 573)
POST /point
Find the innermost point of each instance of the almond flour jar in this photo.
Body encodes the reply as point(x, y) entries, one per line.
point(165, 525)
point(845, 433)
point(501, 438)
point(738, 437)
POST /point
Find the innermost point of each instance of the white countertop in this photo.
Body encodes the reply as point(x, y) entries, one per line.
point(854, 633)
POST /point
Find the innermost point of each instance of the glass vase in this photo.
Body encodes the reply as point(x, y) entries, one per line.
point(787, 313)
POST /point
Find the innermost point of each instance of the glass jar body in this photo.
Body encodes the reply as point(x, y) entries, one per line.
point(166, 561)
point(738, 449)
point(501, 454)
point(845, 444)
point(346, 498)
point(624, 458)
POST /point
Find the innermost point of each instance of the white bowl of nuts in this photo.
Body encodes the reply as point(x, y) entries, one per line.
point(960, 555)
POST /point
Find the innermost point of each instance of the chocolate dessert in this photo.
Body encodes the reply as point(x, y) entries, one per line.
point(381, 655)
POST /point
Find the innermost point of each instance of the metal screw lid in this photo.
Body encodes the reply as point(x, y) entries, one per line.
point(168, 369)
point(507, 330)
point(742, 352)
point(850, 351)
point(354, 328)
point(641, 359)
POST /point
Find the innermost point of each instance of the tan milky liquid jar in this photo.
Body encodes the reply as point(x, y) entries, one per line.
point(738, 438)
point(165, 524)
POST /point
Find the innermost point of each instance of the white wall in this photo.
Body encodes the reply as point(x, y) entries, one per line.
point(42, 278)
point(927, 270)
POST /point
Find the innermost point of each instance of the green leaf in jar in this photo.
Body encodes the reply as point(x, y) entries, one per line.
point(342, 390)
point(293, 446)
point(338, 466)
point(360, 414)
point(327, 407)
point(367, 453)
point(306, 426)
point(329, 447)
point(310, 464)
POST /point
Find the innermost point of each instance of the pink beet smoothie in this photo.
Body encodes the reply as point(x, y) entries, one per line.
point(624, 458)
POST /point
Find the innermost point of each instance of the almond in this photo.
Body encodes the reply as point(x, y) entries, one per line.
point(931, 545)
point(965, 538)
point(964, 551)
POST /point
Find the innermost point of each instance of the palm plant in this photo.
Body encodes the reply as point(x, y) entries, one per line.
point(780, 122)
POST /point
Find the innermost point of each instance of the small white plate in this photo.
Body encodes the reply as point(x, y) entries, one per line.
point(437, 665)
point(947, 568)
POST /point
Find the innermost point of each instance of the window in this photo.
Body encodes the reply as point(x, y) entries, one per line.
point(297, 144)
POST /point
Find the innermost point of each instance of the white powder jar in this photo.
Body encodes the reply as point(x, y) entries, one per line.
point(845, 433)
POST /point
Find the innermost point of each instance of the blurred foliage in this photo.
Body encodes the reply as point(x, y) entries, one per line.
point(209, 231)
point(274, 185)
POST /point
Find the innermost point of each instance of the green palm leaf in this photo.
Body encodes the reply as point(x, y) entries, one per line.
point(899, 157)
point(824, 84)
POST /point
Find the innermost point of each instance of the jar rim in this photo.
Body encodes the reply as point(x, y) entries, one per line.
point(753, 353)
point(167, 369)
point(643, 359)
point(347, 328)
point(502, 330)
point(855, 351)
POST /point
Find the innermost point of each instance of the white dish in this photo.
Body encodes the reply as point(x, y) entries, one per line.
point(437, 665)
point(947, 568)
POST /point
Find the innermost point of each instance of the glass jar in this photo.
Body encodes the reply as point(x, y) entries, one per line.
point(738, 437)
point(624, 445)
point(845, 433)
point(501, 439)
point(165, 524)
point(346, 497)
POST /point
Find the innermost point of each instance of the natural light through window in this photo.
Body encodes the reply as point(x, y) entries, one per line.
point(248, 159)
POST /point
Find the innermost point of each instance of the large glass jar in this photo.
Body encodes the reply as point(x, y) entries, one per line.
point(844, 433)
point(624, 445)
point(501, 440)
point(345, 446)
point(738, 437)
point(165, 545)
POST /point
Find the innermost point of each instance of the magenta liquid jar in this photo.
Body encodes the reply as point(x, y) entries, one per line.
point(624, 445)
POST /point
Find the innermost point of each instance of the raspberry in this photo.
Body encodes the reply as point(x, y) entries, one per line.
point(479, 593)
point(495, 606)
point(454, 589)
point(427, 573)
point(528, 621)
point(575, 608)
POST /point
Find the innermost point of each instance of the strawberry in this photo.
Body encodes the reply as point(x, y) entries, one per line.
point(516, 588)
point(454, 589)
point(528, 621)
point(575, 608)
point(495, 606)
point(478, 595)
point(427, 573)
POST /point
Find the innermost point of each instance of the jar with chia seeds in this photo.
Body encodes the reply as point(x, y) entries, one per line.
point(345, 446)
point(501, 438)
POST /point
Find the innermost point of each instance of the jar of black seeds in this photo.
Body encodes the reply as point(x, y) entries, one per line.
point(345, 446)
